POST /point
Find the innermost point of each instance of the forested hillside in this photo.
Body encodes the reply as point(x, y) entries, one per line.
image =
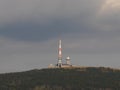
point(62, 79)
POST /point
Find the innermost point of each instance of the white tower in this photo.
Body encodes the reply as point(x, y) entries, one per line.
point(60, 54)
point(68, 60)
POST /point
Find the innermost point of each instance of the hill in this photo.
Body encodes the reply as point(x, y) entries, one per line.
point(90, 78)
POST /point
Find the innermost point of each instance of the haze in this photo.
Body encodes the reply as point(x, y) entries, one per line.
point(30, 30)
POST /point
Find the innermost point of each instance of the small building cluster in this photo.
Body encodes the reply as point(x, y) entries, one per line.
point(60, 64)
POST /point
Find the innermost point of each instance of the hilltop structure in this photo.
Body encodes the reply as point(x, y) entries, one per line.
point(60, 64)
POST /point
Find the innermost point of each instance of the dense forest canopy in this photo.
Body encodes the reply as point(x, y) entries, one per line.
point(90, 78)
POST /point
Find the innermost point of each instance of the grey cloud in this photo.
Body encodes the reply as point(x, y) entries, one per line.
point(107, 42)
point(43, 20)
point(28, 31)
point(42, 8)
point(40, 20)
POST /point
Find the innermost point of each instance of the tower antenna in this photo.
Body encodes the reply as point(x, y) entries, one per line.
point(60, 54)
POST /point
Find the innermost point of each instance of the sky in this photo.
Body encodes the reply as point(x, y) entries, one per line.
point(30, 30)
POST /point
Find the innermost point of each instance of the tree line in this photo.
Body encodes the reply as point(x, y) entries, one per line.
point(62, 79)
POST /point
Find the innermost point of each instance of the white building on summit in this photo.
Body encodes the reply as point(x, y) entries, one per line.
point(60, 64)
point(68, 60)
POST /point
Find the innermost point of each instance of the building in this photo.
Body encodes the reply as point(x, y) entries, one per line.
point(60, 64)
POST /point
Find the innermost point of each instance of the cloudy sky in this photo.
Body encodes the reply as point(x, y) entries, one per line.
point(30, 30)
